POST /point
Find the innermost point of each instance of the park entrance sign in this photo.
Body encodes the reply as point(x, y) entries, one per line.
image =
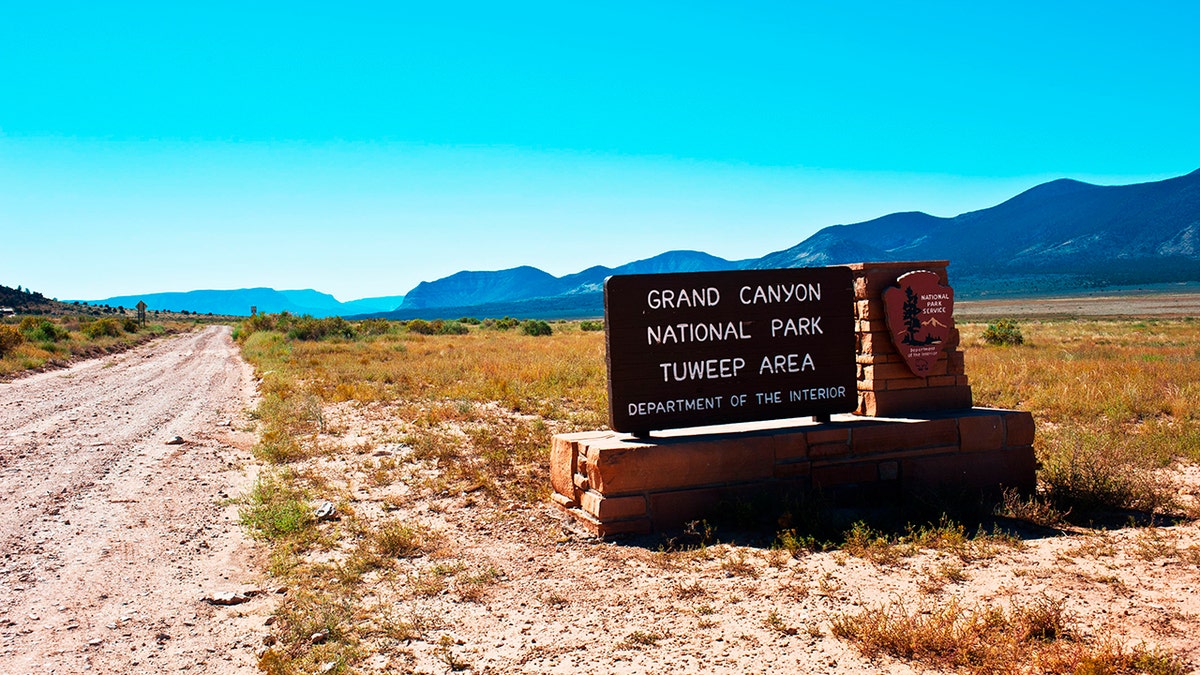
point(707, 348)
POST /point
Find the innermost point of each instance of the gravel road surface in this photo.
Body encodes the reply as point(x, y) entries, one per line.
point(110, 538)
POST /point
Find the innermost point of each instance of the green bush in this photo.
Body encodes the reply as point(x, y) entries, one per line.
point(536, 327)
point(501, 324)
point(448, 328)
point(101, 328)
point(374, 327)
point(309, 328)
point(37, 329)
point(9, 339)
point(419, 326)
point(130, 325)
point(470, 321)
point(1003, 332)
point(591, 325)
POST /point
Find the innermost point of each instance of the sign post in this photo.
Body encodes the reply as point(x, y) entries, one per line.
point(141, 309)
point(705, 348)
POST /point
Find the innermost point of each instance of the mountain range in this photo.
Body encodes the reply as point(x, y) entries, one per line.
point(1060, 236)
point(268, 300)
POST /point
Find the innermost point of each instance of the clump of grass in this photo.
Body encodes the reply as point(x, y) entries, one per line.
point(1086, 472)
point(475, 586)
point(314, 629)
point(1005, 332)
point(1039, 634)
point(1032, 509)
point(945, 536)
point(394, 539)
point(640, 639)
point(779, 625)
point(275, 508)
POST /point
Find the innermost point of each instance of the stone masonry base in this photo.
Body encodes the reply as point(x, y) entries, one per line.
point(615, 483)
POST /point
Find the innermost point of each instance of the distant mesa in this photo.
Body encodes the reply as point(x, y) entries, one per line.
point(238, 302)
point(1060, 236)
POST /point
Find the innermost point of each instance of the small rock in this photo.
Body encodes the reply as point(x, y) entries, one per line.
point(175, 440)
point(161, 636)
point(225, 598)
point(319, 637)
point(268, 640)
point(225, 423)
point(326, 511)
point(328, 666)
point(270, 621)
point(95, 642)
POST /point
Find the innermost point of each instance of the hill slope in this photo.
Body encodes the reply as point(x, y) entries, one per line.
point(1057, 236)
point(468, 289)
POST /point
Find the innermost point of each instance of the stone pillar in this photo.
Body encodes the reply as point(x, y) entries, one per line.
point(886, 387)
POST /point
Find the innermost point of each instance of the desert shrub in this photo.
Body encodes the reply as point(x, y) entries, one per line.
point(309, 328)
point(506, 323)
point(37, 329)
point(374, 327)
point(419, 326)
point(470, 321)
point(1003, 332)
point(101, 328)
point(591, 325)
point(448, 328)
point(129, 325)
point(536, 327)
point(1085, 472)
point(9, 339)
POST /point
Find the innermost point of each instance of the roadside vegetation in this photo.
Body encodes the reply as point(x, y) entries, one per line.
point(34, 342)
point(464, 410)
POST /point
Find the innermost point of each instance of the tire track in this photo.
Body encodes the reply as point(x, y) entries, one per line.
point(108, 536)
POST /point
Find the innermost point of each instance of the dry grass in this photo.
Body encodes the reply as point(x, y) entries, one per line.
point(1034, 637)
point(472, 417)
point(1115, 403)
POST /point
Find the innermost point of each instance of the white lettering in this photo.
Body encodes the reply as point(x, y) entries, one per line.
point(803, 325)
point(667, 298)
point(786, 363)
point(777, 293)
point(710, 369)
point(696, 332)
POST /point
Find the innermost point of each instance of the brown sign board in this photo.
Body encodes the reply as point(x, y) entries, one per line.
point(705, 348)
point(920, 316)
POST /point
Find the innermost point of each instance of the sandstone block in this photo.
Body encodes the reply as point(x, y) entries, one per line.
point(612, 508)
point(629, 466)
point(981, 432)
point(1019, 428)
point(875, 438)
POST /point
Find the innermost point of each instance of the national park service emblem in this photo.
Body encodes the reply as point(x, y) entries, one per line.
point(920, 316)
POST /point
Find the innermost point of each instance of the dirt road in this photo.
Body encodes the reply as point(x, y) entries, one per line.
point(110, 537)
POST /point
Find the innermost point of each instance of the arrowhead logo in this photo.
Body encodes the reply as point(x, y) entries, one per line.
point(920, 316)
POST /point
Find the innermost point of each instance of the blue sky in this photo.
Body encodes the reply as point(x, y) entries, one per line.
point(360, 148)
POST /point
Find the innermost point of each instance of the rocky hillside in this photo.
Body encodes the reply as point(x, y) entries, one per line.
point(1060, 235)
point(466, 289)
